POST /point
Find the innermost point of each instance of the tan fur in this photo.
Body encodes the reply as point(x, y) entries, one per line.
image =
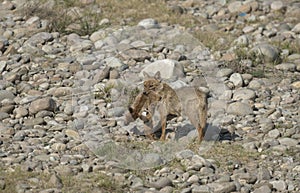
point(159, 96)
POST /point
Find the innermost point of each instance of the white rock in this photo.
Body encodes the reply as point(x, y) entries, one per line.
point(168, 69)
point(148, 23)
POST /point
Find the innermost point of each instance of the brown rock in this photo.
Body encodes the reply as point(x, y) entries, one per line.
point(47, 104)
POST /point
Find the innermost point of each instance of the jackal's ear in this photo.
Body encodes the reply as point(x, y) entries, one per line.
point(146, 75)
point(157, 75)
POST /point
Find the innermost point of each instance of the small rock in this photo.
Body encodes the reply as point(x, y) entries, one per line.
point(2, 184)
point(239, 108)
point(288, 141)
point(263, 174)
point(5, 94)
point(225, 187)
point(234, 6)
point(244, 94)
point(279, 185)
point(161, 183)
point(113, 62)
point(152, 159)
point(236, 79)
point(137, 183)
point(296, 28)
point(286, 67)
point(193, 179)
point(276, 5)
point(148, 23)
point(55, 181)
point(136, 54)
point(98, 35)
point(72, 134)
point(59, 147)
point(225, 72)
point(184, 154)
point(263, 189)
point(202, 189)
point(296, 85)
point(274, 134)
point(47, 104)
point(267, 51)
point(62, 91)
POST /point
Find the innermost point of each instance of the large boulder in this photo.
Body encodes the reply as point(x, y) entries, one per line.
point(169, 69)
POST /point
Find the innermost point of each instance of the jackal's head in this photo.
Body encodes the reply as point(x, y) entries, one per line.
point(152, 83)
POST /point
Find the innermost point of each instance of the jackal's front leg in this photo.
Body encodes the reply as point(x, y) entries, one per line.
point(163, 129)
point(200, 133)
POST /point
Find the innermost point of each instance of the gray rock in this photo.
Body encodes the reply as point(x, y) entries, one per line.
point(296, 28)
point(5, 94)
point(243, 40)
point(152, 159)
point(167, 189)
point(138, 55)
point(225, 72)
point(113, 62)
point(2, 184)
point(274, 134)
point(193, 179)
point(86, 59)
point(148, 23)
point(202, 189)
point(58, 147)
point(19, 136)
point(137, 183)
point(55, 181)
point(244, 94)
point(277, 5)
point(169, 69)
point(98, 35)
point(22, 187)
point(288, 141)
point(234, 6)
point(225, 187)
point(34, 121)
point(116, 111)
point(263, 189)
point(237, 80)
point(254, 84)
point(286, 67)
point(239, 108)
point(268, 52)
point(184, 154)
point(263, 174)
point(250, 146)
point(2, 66)
point(81, 45)
point(161, 183)
point(206, 171)
point(62, 91)
point(39, 38)
point(279, 185)
point(248, 29)
point(47, 104)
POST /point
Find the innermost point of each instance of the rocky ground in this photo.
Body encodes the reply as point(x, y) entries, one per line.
point(64, 100)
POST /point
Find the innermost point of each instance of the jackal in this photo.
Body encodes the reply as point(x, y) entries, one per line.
point(159, 96)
